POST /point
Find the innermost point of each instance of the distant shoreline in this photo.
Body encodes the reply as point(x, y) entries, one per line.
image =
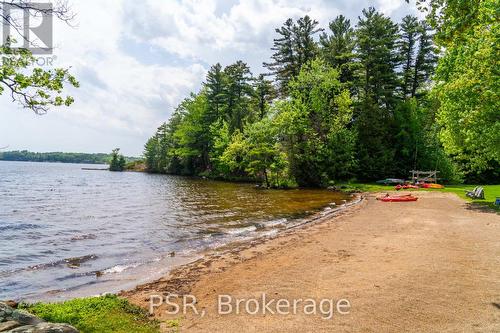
point(63, 162)
point(59, 157)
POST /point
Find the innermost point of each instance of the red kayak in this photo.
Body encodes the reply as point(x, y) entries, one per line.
point(405, 187)
point(398, 198)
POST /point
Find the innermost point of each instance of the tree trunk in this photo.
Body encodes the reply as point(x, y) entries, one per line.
point(266, 178)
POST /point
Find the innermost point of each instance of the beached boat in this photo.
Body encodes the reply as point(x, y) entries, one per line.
point(405, 187)
point(398, 198)
point(431, 185)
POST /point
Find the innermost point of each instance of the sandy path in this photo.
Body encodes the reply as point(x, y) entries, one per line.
point(428, 266)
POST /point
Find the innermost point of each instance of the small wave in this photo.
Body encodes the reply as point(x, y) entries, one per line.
point(83, 237)
point(119, 268)
point(239, 231)
point(279, 223)
point(270, 233)
point(76, 275)
point(207, 233)
point(21, 226)
point(74, 262)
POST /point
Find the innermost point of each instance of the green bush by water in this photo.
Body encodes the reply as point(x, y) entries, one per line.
point(96, 315)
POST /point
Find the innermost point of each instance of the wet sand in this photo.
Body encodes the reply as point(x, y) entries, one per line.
point(426, 266)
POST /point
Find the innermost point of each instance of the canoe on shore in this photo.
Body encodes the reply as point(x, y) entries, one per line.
point(405, 187)
point(430, 185)
point(398, 198)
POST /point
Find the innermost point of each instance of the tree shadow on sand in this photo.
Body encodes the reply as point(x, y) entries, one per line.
point(483, 206)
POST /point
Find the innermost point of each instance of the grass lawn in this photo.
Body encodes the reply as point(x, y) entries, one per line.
point(103, 314)
point(491, 192)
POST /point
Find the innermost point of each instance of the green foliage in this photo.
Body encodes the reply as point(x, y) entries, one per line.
point(417, 146)
point(117, 162)
point(233, 157)
point(468, 86)
point(264, 155)
point(31, 86)
point(265, 93)
point(354, 104)
point(104, 314)
point(258, 154)
point(221, 140)
point(314, 122)
point(376, 149)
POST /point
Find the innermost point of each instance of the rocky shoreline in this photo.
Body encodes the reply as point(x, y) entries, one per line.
point(13, 320)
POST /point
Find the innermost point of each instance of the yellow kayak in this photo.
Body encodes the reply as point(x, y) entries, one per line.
point(432, 186)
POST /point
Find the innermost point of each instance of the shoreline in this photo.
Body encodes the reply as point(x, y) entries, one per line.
point(402, 266)
point(182, 276)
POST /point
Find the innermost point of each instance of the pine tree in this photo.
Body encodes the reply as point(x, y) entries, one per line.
point(294, 47)
point(305, 46)
point(265, 93)
point(238, 90)
point(284, 65)
point(215, 91)
point(377, 53)
point(117, 162)
point(337, 48)
point(408, 46)
point(426, 59)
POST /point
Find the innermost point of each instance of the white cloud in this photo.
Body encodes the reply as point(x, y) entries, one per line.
point(389, 6)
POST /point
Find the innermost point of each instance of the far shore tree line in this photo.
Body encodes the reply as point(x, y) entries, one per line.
point(364, 102)
point(60, 157)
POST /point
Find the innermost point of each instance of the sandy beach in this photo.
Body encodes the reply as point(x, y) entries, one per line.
point(425, 266)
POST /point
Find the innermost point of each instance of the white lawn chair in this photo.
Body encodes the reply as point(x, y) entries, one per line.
point(476, 193)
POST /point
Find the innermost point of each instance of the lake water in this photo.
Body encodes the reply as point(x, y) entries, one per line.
point(67, 232)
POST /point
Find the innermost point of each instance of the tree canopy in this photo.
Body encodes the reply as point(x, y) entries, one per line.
point(117, 161)
point(363, 101)
point(467, 84)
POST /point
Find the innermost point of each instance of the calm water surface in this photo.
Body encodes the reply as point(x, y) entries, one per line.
point(68, 232)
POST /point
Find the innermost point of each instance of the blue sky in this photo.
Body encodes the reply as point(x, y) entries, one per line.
point(136, 60)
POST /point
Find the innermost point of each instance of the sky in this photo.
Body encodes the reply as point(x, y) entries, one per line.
point(136, 60)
